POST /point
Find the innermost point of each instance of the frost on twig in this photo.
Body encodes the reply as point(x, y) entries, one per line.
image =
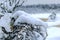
point(10, 5)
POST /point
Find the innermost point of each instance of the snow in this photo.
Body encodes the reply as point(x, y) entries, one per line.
point(46, 15)
point(36, 2)
point(29, 19)
point(1, 33)
point(21, 16)
point(1, 13)
point(37, 36)
point(25, 17)
point(53, 33)
point(5, 21)
point(53, 23)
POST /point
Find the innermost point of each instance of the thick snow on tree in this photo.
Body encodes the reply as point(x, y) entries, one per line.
point(5, 21)
point(25, 26)
point(23, 17)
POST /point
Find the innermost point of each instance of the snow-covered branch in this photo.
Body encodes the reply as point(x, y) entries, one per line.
point(10, 5)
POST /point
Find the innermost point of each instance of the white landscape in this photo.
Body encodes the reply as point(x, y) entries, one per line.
point(16, 24)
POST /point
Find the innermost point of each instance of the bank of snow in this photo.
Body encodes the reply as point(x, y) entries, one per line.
point(46, 16)
point(53, 33)
point(5, 21)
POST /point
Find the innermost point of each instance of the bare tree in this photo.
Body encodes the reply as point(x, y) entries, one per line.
point(10, 5)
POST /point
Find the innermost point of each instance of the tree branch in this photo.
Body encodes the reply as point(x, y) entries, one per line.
point(11, 5)
point(16, 5)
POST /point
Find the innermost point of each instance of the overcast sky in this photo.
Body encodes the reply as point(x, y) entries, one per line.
point(42, 2)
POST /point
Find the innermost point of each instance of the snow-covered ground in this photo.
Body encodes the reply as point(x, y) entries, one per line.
point(46, 15)
point(53, 32)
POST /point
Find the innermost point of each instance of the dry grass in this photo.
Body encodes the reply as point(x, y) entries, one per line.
point(44, 19)
point(57, 25)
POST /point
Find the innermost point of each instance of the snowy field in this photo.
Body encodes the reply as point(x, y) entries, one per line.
point(46, 16)
point(9, 20)
point(53, 32)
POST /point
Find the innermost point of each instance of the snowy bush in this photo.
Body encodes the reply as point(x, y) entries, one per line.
point(25, 27)
point(37, 26)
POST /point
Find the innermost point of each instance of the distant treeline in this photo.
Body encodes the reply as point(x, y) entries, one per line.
point(46, 6)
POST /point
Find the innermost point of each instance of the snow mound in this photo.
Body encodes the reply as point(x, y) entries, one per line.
point(53, 33)
point(5, 21)
point(23, 17)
